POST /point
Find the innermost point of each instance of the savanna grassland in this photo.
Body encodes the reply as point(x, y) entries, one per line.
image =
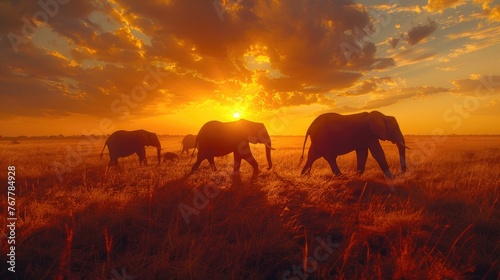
point(440, 220)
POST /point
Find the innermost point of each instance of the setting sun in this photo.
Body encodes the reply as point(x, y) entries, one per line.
point(236, 115)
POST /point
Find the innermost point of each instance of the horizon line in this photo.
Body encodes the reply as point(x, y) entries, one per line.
point(182, 135)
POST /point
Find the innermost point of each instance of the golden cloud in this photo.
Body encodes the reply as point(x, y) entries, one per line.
point(271, 50)
point(440, 5)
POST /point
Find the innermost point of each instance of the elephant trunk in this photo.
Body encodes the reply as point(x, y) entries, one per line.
point(158, 151)
point(268, 156)
point(402, 155)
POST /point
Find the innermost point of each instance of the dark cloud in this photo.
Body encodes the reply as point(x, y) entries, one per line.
point(321, 47)
point(304, 46)
point(393, 42)
point(420, 32)
point(315, 47)
point(39, 83)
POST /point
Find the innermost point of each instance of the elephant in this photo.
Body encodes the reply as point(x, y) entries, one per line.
point(188, 142)
point(217, 139)
point(125, 143)
point(334, 134)
point(170, 156)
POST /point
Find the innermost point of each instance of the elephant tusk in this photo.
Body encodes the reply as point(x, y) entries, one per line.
point(269, 146)
point(402, 144)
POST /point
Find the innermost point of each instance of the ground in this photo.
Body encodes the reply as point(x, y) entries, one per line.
point(440, 220)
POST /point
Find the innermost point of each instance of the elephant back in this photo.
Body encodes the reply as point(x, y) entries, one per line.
point(218, 138)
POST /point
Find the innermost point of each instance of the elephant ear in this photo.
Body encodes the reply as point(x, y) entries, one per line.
point(377, 124)
point(253, 132)
point(142, 136)
point(153, 139)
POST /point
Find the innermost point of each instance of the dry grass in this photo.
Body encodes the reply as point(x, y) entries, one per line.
point(441, 220)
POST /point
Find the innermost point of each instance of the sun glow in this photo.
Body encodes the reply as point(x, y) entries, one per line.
point(236, 115)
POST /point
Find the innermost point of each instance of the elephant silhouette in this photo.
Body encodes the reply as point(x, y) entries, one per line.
point(334, 134)
point(217, 139)
point(125, 143)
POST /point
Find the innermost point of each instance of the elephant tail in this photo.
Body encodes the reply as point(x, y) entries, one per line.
point(195, 146)
point(303, 147)
point(105, 143)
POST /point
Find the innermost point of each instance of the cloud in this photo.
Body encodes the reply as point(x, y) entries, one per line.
point(376, 92)
point(477, 85)
point(449, 68)
point(41, 83)
point(393, 42)
point(475, 40)
point(440, 5)
point(492, 14)
point(396, 8)
point(321, 48)
point(420, 32)
point(270, 101)
point(410, 56)
point(386, 98)
point(488, 33)
point(371, 85)
point(379, 92)
point(307, 49)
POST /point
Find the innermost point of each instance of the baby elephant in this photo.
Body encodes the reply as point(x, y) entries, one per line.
point(170, 156)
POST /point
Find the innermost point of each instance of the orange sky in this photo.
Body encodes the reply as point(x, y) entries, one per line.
point(77, 67)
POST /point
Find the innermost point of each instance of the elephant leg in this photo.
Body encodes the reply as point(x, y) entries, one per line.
point(237, 163)
point(379, 155)
point(361, 155)
point(212, 163)
point(141, 152)
point(142, 160)
point(251, 160)
point(196, 165)
point(332, 160)
point(312, 155)
point(113, 162)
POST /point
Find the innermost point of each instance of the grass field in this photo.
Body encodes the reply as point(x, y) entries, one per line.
point(440, 220)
